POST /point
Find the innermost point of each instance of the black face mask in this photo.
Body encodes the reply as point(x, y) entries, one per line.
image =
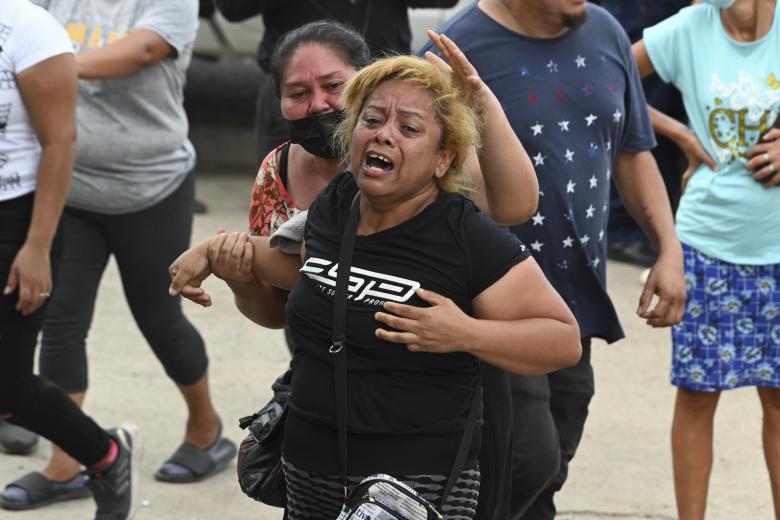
point(315, 133)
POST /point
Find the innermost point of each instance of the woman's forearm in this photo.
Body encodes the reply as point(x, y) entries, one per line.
point(666, 125)
point(272, 267)
point(263, 304)
point(508, 181)
point(140, 49)
point(527, 346)
point(54, 174)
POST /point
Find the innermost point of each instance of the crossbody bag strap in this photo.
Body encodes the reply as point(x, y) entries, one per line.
point(468, 435)
point(338, 344)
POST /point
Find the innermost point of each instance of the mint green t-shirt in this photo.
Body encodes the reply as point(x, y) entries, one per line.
point(731, 92)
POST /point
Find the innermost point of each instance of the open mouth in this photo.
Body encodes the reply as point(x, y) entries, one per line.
point(378, 163)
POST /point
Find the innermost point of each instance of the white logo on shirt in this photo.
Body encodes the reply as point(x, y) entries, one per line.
point(364, 285)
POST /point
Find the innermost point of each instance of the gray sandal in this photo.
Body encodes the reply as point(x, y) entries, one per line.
point(16, 440)
point(34, 490)
point(192, 464)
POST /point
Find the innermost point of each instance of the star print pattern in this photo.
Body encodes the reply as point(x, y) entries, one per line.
point(586, 226)
point(561, 99)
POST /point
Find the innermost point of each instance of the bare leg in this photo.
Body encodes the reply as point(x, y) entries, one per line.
point(770, 402)
point(203, 421)
point(692, 450)
point(202, 429)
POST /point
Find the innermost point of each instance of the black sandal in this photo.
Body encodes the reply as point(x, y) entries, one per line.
point(199, 464)
point(41, 491)
point(16, 440)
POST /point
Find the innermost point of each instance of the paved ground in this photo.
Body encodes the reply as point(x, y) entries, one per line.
point(623, 468)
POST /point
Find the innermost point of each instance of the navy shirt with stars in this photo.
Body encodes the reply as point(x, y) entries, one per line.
point(575, 102)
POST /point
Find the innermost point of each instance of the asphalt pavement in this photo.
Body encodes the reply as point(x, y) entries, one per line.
point(622, 469)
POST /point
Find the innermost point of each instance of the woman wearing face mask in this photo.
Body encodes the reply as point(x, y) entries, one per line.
point(407, 130)
point(310, 66)
point(722, 56)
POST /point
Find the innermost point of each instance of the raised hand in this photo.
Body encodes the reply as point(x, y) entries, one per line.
point(456, 63)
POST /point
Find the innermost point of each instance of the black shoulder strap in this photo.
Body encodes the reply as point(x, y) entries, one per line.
point(284, 156)
point(338, 344)
point(338, 349)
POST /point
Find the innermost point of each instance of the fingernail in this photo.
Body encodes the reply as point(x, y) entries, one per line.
point(172, 291)
point(7, 290)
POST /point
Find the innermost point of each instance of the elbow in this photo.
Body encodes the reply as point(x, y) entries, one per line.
point(519, 213)
point(147, 57)
point(571, 346)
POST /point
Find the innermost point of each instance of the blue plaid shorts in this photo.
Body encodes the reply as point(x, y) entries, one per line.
point(730, 334)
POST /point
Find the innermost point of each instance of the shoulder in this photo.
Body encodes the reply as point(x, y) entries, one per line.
point(465, 22)
point(334, 199)
point(601, 19)
point(31, 34)
point(692, 17)
point(269, 168)
point(474, 224)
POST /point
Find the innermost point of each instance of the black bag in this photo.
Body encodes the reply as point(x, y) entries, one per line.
point(259, 466)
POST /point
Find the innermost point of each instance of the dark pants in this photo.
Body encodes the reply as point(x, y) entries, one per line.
point(270, 127)
point(36, 404)
point(549, 415)
point(144, 244)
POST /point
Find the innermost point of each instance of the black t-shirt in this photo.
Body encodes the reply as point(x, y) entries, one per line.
point(399, 401)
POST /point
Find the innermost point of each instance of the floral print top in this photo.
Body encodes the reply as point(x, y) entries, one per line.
point(271, 205)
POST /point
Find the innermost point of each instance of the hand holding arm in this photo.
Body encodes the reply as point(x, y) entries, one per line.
point(503, 178)
point(232, 259)
point(189, 271)
point(640, 185)
point(49, 91)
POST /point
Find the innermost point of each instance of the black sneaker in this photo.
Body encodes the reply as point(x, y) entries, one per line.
point(115, 489)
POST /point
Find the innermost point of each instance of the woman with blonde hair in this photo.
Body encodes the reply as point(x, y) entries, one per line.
point(415, 345)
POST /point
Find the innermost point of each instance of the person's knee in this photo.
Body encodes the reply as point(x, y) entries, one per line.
point(695, 403)
point(13, 397)
point(770, 402)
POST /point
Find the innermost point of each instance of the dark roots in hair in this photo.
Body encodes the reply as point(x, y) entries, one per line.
point(345, 42)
